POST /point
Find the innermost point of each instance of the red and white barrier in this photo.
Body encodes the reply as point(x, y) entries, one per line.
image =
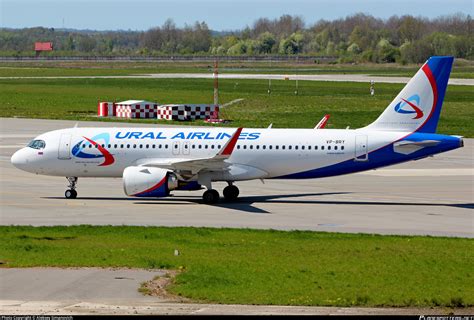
point(106, 109)
point(187, 111)
point(146, 110)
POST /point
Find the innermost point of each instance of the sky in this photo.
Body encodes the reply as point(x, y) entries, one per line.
point(220, 15)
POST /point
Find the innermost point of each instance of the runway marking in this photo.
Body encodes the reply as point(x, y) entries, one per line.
point(420, 172)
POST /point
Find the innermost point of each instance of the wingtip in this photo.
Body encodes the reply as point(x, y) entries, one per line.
point(229, 147)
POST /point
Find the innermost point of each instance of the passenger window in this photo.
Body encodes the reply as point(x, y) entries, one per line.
point(245, 146)
point(147, 146)
point(166, 146)
point(141, 146)
point(185, 146)
point(159, 146)
point(218, 146)
point(212, 146)
point(84, 145)
point(270, 147)
point(205, 146)
point(90, 146)
point(103, 145)
point(121, 146)
point(108, 146)
point(289, 147)
point(251, 146)
point(264, 147)
point(238, 147)
point(315, 147)
point(322, 147)
point(283, 147)
point(153, 146)
point(257, 146)
point(309, 147)
point(329, 147)
point(296, 147)
point(276, 147)
point(335, 147)
point(193, 146)
point(302, 147)
point(128, 146)
point(200, 146)
point(342, 147)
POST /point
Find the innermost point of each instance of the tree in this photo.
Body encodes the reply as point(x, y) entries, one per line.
point(266, 42)
point(87, 44)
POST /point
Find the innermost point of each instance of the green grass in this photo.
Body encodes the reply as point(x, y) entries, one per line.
point(264, 266)
point(349, 103)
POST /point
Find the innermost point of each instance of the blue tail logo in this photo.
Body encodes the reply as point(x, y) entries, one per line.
point(399, 107)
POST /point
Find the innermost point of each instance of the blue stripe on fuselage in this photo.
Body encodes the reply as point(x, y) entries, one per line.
point(382, 157)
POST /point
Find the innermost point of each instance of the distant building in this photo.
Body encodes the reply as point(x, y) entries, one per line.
point(43, 46)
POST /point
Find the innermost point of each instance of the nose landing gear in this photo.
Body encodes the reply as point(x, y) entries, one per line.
point(71, 193)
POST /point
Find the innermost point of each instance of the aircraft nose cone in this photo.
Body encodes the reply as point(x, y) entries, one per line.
point(18, 159)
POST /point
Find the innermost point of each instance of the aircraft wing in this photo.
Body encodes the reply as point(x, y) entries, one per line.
point(217, 162)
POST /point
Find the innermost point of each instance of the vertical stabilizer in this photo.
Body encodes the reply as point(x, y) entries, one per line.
point(417, 107)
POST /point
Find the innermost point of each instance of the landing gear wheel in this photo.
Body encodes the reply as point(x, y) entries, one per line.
point(70, 194)
point(211, 196)
point(231, 193)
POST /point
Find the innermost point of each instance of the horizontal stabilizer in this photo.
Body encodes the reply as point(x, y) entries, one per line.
point(408, 147)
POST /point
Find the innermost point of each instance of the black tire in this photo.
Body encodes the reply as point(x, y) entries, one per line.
point(210, 196)
point(70, 194)
point(231, 193)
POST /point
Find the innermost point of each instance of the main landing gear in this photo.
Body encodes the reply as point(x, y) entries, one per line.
point(71, 193)
point(211, 196)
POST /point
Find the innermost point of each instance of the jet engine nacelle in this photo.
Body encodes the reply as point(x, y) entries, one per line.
point(148, 182)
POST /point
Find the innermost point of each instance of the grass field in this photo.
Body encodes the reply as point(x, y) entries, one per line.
point(264, 267)
point(348, 103)
point(464, 69)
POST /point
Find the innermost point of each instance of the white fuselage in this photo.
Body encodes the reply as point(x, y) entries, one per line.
point(275, 152)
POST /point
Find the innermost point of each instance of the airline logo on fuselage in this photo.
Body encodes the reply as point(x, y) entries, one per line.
point(193, 135)
point(78, 149)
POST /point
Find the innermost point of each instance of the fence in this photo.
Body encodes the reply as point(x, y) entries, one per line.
point(302, 59)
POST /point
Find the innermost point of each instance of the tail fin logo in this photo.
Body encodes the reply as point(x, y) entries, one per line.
point(408, 106)
point(77, 150)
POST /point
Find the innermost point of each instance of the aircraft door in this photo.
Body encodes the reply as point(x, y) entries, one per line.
point(361, 148)
point(186, 147)
point(175, 148)
point(64, 150)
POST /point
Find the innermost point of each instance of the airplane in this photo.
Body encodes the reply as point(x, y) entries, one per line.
point(155, 161)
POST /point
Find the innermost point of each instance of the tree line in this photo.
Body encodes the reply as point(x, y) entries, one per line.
point(355, 38)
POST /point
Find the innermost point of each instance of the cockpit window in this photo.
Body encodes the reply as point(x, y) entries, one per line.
point(37, 144)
